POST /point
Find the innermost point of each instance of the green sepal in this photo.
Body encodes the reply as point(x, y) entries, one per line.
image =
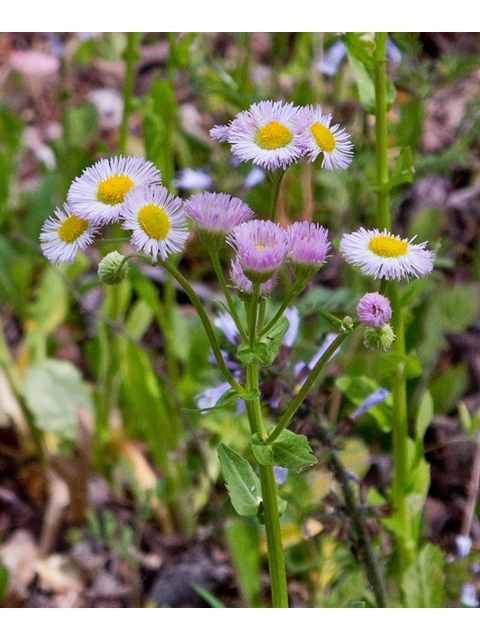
point(289, 450)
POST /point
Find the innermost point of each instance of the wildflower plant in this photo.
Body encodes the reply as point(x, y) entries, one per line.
point(272, 135)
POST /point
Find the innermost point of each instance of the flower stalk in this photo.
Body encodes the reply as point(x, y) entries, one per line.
point(383, 219)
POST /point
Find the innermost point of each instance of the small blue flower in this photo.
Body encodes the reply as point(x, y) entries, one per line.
point(464, 544)
point(330, 62)
point(293, 316)
point(192, 179)
point(280, 474)
point(226, 323)
point(377, 397)
point(469, 596)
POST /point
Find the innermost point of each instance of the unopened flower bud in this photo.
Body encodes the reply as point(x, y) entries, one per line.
point(111, 270)
point(379, 338)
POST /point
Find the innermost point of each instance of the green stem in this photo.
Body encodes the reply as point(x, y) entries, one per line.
point(252, 320)
point(297, 288)
point(383, 198)
point(206, 324)
point(400, 431)
point(400, 426)
point(130, 56)
point(276, 559)
point(307, 385)
point(233, 312)
point(276, 177)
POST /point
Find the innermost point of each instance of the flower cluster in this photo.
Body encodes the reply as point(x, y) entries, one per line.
point(121, 189)
point(273, 135)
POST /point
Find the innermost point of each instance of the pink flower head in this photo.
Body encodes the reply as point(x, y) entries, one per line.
point(240, 280)
point(260, 246)
point(307, 247)
point(374, 310)
point(217, 212)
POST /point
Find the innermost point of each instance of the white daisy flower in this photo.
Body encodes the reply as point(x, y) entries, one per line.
point(384, 255)
point(264, 134)
point(157, 219)
point(62, 237)
point(99, 193)
point(317, 136)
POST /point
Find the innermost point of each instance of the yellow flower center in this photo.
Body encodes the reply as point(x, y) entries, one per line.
point(112, 189)
point(273, 136)
point(154, 221)
point(388, 247)
point(72, 228)
point(323, 137)
point(261, 247)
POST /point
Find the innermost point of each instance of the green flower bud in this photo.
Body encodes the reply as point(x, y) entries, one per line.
point(111, 270)
point(379, 338)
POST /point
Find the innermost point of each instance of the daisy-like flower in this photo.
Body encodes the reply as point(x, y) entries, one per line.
point(63, 236)
point(384, 255)
point(240, 280)
point(318, 136)
point(265, 134)
point(99, 193)
point(158, 221)
point(216, 215)
point(308, 247)
point(260, 246)
point(374, 310)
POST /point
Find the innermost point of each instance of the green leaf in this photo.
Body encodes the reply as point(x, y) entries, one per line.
point(48, 309)
point(4, 576)
point(209, 598)
point(242, 483)
point(358, 388)
point(260, 355)
point(366, 85)
point(360, 46)
point(244, 541)
point(410, 291)
point(82, 123)
point(158, 125)
point(392, 365)
point(54, 391)
point(423, 582)
point(403, 172)
point(424, 417)
point(289, 450)
point(273, 338)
